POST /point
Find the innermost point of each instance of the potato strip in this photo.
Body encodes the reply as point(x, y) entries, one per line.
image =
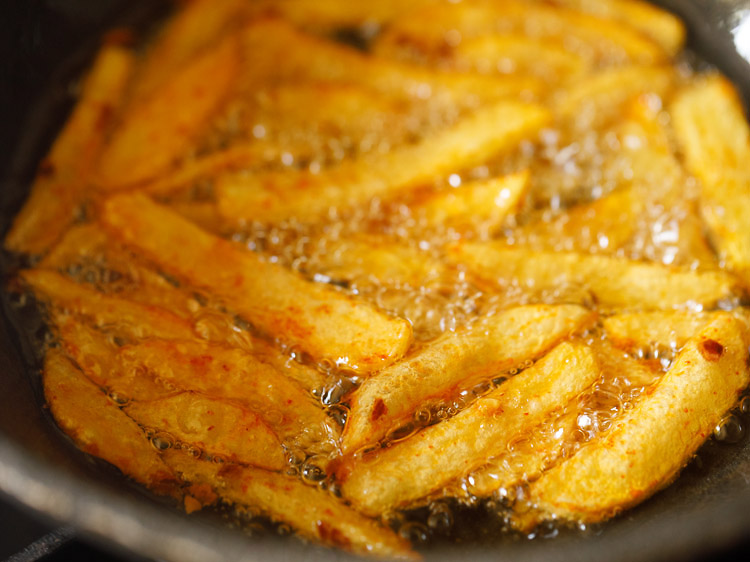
point(158, 130)
point(135, 319)
point(273, 197)
point(236, 376)
point(454, 362)
point(314, 513)
point(659, 25)
point(614, 282)
point(318, 319)
point(650, 444)
point(98, 426)
point(714, 135)
point(221, 430)
point(62, 180)
point(409, 470)
point(641, 330)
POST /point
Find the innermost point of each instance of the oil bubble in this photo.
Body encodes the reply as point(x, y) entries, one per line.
point(414, 532)
point(162, 441)
point(729, 430)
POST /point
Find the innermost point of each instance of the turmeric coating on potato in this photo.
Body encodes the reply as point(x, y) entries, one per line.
point(329, 263)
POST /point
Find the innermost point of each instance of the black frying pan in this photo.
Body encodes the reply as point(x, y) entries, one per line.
point(44, 45)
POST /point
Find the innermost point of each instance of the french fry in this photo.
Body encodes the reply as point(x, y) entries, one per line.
point(455, 361)
point(305, 196)
point(98, 426)
point(292, 54)
point(478, 205)
point(603, 41)
point(712, 130)
point(62, 181)
point(193, 29)
point(516, 53)
point(650, 444)
point(602, 96)
point(236, 376)
point(156, 131)
point(134, 319)
point(664, 28)
point(640, 330)
point(614, 282)
point(323, 322)
point(402, 474)
point(314, 513)
point(217, 427)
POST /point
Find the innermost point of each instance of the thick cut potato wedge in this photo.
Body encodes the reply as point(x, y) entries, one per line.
point(323, 322)
point(478, 205)
point(455, 361)
point(613, 282)
point(640, 330)
point(62, 181)
point(290, 54)
point(156, 131)
point(650, 444)
point(433, 28)
point(218, 428)
point(236, 376)
point(314, 513)
point(134, 319)
point(662, 27)
point(305, 196)
point(715, 138)
point(197, 26)
point(98, 426)
point(402, 474)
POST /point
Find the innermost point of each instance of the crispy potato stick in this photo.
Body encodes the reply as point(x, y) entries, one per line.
point(484, 202)
point(196, 27)
point(233, 375)
point(335, 14)
point(88, 254)
point(614, 282)
point(602, 96)
point(514, 53)
point(661, 26)
point(62, 179)
point(713, 133)
point(314, 513)
point(294, 55)
point(135, 319)
point(159, 129)
point(640, 330)
point(602, 41)
point(323, 322)
point(98, 426)
point(217, 427)
point(398, 476)
point(651, 443)
point(367, 256)
point(453, 362)
point(96, 355)
point(274, 197)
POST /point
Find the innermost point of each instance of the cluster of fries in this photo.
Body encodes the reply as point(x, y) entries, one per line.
point(496, 249)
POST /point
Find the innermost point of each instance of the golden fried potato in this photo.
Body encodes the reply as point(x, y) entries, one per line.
point(715, 138)
point(314, 513)
point(216, 427)
point(613, 282)
point(454, 362)
point(62, 181)
point(407, 471)
point(323, 322)
point(98, 426)
point(134, 319)
point(158, 130)
point(648, 446)
point(275, 196)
